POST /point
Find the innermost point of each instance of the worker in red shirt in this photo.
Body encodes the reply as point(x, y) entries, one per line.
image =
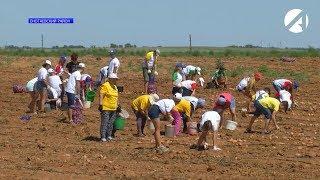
point(225, 101)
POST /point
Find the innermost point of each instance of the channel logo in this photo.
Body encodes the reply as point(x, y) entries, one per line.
point(296, 20)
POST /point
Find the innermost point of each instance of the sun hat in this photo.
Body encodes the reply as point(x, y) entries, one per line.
point(113, 76)
point(221, 101)
point(178, 96)
point(47, 62)
point(81, 65)
point(201, 102)
point(198, 69)
point(50, 70)
point(257, 76)
point(153, 98)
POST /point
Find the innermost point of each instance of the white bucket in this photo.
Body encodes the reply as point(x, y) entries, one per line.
point(231, 125)
point(47, 107)
point(169, 132)
point(87, 104)
point(124, 114)
point(151, 126)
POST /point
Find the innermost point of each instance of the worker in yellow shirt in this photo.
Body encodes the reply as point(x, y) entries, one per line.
point(140, 107)
point(186, 109)
point(108, 107)
point(268, 106)
point(149, 66)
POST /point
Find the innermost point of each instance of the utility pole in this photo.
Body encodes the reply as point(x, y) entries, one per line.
point(41, 41)
point(190, 45)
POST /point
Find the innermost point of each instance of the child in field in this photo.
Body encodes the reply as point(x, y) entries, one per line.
point(41, 85)
point(257, 96)
point(189, 87)
point(219, 76)
point(140, 108)
point(225, 101)
point(285, 98)
point(248, 87)
point(108, 107)
point(210, 121)
point(285, 84)
point(73, 88)
point(164, 107)
point(190, 72)
point(186, 109)
point(31, 90)
point(267, 106)
point(177, 79)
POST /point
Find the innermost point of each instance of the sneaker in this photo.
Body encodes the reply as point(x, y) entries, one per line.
point(103, 140)
point(109, 138)
point(162, 149)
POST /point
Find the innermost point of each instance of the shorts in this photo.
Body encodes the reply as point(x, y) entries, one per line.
point(261, 110)
point(154, 112)
point(186, 92)
point(40, 86)
point(277, 87)
point(71, 99)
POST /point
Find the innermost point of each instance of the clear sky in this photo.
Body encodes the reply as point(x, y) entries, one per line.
point(153, 23)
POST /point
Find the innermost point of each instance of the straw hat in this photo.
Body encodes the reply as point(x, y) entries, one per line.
point(153, 98)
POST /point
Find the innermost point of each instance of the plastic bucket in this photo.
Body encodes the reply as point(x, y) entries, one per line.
point(169, 131)
point(192, 129)
point(124, 114)
point(47, 107)
point(119, 123)
point(231, 125)
point(87, 104)
point(151, 126)
point(90, 95)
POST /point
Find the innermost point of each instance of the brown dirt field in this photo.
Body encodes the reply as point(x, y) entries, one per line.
point(47, 147)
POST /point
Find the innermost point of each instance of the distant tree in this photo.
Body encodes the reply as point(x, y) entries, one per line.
point(120, 46)
point(113, 45)
point(55, 47)
point(127, 45)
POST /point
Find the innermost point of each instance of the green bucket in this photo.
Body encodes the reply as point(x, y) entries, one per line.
point(119, 123)
point(90, 95)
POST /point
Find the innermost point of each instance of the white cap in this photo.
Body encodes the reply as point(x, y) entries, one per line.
point(153, 98)
point(81, 65)
point(113, 76)
point(50, 70)
point(178, 96)
point(198, 70)
point(47, 62)
point(158, 51)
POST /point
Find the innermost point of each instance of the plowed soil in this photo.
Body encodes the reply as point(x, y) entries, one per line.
point(49, 147)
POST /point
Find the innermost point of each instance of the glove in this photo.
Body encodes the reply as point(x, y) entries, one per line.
point(215, 148)
point(156, 73)
point(118, 109)
point(149, 71)
point(100, 108)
